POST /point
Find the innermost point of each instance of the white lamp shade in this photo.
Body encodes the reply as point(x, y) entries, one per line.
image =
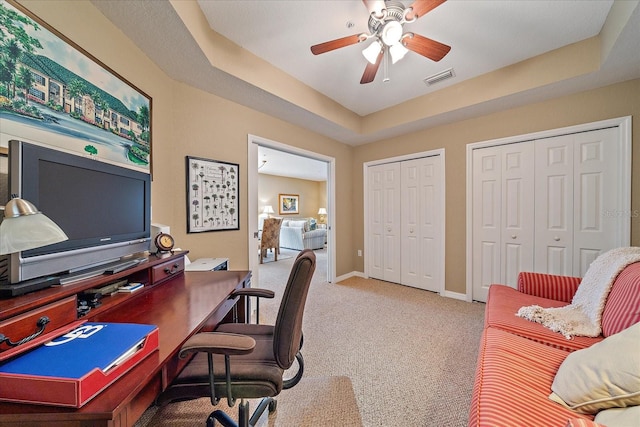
point(25, 228)
point(322, 211)
point(268, 209)
point(372, 51)
point(397, 51)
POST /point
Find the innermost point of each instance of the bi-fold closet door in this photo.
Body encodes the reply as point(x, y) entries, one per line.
point(503, 215)
point(541, 205)
point(405, 201)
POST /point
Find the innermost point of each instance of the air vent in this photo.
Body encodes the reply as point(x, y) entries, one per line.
point(437, 78)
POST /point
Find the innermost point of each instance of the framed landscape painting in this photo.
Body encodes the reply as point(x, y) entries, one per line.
point(212, 195)
point(54, 92)
point(288, 204)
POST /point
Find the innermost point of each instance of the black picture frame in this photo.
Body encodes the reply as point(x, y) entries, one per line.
point(213, 195)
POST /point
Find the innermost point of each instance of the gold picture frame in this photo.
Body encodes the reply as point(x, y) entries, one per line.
point(288, 204)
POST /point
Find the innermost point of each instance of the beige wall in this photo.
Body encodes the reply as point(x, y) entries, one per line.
point(312, 193)
point(609, 102)
point(188, 121)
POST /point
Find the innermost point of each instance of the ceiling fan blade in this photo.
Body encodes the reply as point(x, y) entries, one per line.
point(336, 44)
point(424, 46)
point(371, 69)
point(422, 7)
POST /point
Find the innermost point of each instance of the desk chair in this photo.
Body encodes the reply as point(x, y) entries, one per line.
point(247, 365)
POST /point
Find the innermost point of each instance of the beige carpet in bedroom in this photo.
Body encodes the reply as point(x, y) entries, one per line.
point(408, 354)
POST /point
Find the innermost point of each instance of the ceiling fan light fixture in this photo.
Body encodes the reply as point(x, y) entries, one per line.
point(372, 51)
point(397, 51)
point(391, 33)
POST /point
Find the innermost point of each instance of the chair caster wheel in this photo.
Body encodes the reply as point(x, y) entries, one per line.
point(273, 405)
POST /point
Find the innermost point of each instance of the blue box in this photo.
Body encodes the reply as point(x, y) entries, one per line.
point(73, 368)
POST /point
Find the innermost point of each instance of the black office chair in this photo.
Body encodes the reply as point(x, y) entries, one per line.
point(249, 364)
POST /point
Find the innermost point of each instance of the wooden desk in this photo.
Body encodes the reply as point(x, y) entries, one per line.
point(179, 306)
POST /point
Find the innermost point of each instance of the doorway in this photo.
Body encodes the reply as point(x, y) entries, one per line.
point(254, 162)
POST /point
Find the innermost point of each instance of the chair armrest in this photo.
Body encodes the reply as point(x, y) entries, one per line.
point(218, 343)
point(551, 286)
point(314, 233)
point(252, 292)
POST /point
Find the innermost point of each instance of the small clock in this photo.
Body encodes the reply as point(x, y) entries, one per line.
point(164, 242)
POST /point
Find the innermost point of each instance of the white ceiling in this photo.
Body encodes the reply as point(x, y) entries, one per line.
point(275, 162)
point(485, 35)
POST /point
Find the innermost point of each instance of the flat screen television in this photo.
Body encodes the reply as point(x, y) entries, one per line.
point(104, 209)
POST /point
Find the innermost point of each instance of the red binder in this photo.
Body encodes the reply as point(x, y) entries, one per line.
point(73, 368)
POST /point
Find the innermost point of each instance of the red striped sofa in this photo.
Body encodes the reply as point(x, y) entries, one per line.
point(518, 359)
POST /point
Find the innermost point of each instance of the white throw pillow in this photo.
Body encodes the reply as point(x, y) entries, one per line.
point(297, 224)
point(605, 375)
point(619, 417)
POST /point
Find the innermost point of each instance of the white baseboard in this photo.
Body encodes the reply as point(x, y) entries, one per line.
point(351, 274)
point(455, 295)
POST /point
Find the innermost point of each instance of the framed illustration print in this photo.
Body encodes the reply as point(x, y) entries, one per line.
point(288, 204)
point(212, 195)
point(56, 93)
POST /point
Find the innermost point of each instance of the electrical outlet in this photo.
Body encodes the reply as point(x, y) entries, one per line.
point(359, 252)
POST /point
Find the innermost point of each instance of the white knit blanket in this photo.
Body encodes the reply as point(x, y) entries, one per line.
point(584, 315)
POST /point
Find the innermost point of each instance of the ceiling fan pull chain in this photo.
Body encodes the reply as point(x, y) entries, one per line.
point(385, 69)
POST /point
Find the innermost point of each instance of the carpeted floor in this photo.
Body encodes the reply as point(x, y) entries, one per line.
point(326, 401)
point(270, 257)
point(409, 354)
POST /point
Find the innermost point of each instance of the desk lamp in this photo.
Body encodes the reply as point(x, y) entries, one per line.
point(24, 227)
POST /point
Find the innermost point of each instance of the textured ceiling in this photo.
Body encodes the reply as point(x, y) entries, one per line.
point(484, 36)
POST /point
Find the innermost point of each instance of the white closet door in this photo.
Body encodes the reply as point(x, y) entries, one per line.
point(503, 230)
point(517, 234)
point(486, 220)
point(579, 205)
point(554, 210)
point(575, 187)
point(595, 222)
point(410, 223)
point(421, 207)
point(384, 226)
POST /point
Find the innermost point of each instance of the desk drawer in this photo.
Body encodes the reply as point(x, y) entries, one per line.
point(167, 269)
point(59, 313)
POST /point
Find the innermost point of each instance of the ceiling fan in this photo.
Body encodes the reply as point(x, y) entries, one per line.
point(386, 21)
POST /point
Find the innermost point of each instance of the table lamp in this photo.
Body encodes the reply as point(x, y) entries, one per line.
point(268, 210)
point(24, 227)
point(322, 212)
